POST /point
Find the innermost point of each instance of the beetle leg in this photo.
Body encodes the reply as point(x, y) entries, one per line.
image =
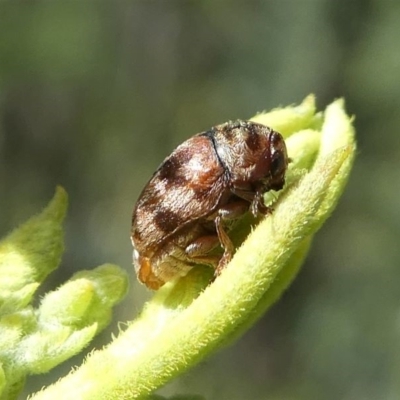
point(258, 206)
point(228, 212)
point(233, 210)
point(226, 244)
point(202, 245)
point(197, 250)
point(255, 199)
point(245, 194)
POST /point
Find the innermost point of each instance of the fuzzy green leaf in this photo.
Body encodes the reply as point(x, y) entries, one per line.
point(30, 253)
point(32, 340)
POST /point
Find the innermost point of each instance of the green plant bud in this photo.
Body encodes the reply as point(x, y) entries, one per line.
point(290, 119)
point(31, 252)
point(110, 285)
point(45, 349)
point(13, 327)
point(68, 304)
point(18, 299)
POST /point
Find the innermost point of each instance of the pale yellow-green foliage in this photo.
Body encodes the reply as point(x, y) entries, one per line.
point(34, 340)
point(188, 319)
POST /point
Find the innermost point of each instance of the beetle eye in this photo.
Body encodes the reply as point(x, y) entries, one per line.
point(278, 164)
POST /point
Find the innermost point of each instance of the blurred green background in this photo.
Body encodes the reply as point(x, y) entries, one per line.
point(94, 95)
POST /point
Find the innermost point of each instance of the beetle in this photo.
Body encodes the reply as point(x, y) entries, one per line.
point(187, 208)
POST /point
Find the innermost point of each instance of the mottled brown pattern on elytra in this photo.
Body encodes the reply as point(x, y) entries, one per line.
point(171, 169)
point(167, 220)
point(201, 192)
point(181, 203)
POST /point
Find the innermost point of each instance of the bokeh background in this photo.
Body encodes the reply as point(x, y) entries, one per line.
point(93, 95)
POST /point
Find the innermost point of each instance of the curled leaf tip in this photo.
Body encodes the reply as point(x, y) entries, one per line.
point(59, 203)
point(30, 252)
